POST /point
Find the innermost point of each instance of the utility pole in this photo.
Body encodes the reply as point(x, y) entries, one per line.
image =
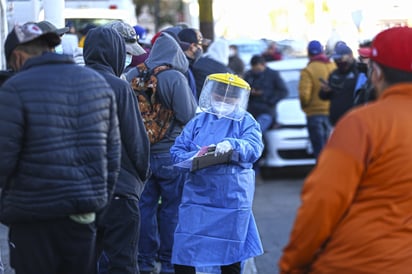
point(157, 12)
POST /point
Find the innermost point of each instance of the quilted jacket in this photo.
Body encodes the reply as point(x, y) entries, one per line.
point(59, 141)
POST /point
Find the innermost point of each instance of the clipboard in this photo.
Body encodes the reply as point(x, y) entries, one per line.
point(209, 159)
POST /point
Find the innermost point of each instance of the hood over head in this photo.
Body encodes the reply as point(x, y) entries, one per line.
point(219, 51)
point(105, 46)
point(166, 51)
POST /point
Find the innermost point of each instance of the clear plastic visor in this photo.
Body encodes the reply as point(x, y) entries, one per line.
point(224, 100)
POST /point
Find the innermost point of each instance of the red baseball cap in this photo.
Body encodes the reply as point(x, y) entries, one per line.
point(364, 52)
point(393, 48)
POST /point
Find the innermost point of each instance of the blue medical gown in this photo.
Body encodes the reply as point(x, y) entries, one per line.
point(216, 224)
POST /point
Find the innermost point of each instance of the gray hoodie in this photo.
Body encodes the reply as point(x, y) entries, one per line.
point(173, 90)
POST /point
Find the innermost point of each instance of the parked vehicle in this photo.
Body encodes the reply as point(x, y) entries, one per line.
point(288, 144)
point(99, 12)
point(80, 13)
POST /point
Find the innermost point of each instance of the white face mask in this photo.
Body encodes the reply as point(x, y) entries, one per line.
point(59, 49)
point(222, 108)
point(128, 60)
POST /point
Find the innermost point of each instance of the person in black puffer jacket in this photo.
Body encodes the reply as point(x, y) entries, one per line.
point(340, 87)
point(59, 154)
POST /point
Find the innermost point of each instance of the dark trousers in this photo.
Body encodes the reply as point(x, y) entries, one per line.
point(59, 246)
point(117, 237)
point(225, 269)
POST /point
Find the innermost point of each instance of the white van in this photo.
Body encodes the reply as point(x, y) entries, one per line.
point(81, 13)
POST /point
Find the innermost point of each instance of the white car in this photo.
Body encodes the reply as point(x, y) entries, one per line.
point(288, 145)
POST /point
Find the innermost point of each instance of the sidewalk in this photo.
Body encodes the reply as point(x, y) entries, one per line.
point(249, 266)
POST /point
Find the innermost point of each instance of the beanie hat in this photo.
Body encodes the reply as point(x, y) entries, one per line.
point(340, 50)
point(315, 47)
point(191, 36)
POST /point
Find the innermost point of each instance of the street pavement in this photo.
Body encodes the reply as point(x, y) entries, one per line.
point(275, 204)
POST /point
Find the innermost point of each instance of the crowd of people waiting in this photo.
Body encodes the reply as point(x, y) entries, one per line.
point(92, 181)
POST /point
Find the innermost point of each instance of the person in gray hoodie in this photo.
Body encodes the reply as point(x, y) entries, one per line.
point(118, 226)
point(168, 62)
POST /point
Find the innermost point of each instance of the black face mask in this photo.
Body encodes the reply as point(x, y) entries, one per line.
point(342, 66)
point(362, 67)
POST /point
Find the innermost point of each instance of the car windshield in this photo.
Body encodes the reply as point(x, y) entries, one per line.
point(291, 78)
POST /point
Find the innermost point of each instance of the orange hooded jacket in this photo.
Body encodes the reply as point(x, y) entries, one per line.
point(356, 211)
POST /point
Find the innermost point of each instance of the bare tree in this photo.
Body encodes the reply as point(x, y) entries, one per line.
point(164, 10)
point(206, 18)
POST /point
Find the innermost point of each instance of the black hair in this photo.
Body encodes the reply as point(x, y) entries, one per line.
point(257, 59)
point(35, 47)
point(365, 44)
point(394, 76)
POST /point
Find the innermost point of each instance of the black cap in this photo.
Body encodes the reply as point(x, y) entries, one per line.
point(183, 45)
point(27, 33)
point(191, 35)
point(47, 26)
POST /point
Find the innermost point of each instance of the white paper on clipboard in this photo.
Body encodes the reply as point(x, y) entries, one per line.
point(187, 164)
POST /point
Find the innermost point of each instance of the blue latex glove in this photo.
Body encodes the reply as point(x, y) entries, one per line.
point(223, 147)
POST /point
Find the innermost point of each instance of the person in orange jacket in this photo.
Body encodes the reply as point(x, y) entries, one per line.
point(355, 215)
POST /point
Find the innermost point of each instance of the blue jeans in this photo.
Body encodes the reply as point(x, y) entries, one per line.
point(319, 129)
point(159, 205)
point(265, 121)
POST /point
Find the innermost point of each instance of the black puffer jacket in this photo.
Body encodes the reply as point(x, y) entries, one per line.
point(59, 141)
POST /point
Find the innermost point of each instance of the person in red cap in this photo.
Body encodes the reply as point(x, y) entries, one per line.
point(355, 215)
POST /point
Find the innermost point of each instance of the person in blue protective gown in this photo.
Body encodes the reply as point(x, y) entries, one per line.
point(216, 226)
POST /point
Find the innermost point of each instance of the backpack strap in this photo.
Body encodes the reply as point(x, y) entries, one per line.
point(153, 77)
